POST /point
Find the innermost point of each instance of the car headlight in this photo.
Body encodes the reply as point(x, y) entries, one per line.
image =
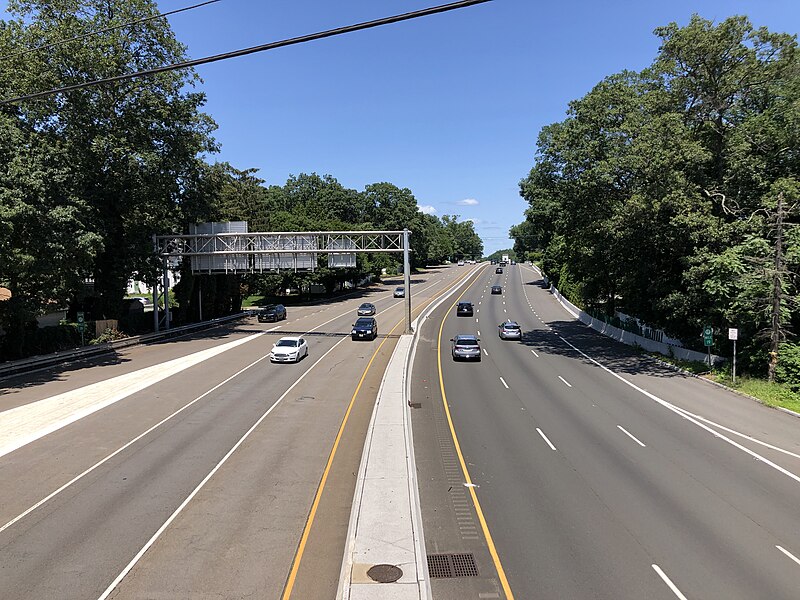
point(369, 330)
point(354, 332)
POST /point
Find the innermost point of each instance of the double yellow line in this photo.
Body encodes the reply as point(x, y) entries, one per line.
point(501, 574)
point(287, 591)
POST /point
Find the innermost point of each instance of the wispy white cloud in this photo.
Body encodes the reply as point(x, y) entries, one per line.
point(474, 221)
point(468, 202)
point(427, 209)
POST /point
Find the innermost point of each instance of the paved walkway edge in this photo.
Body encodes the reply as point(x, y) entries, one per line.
point(386, 517)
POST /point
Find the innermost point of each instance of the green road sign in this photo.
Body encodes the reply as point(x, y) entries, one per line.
point(708, 335)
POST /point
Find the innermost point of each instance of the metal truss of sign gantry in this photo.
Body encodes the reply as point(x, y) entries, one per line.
point(257, 252)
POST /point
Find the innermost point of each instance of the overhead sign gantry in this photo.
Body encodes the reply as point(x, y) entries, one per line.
point(220, 248)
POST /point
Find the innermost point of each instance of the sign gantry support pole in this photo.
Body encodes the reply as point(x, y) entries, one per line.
point(407, 280)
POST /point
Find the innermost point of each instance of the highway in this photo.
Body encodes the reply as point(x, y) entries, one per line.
point(569, 466)
point(208, 473)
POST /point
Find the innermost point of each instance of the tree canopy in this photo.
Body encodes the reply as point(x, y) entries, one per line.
point(658, 195)
point(88, 176)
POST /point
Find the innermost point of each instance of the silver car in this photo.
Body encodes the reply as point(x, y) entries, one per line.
point(510, 330)
point(466, 347)
point(367, 309)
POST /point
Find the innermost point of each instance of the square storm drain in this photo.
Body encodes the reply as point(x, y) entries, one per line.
point(443, 566)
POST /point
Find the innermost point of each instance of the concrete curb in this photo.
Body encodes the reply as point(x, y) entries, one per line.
point(382, 528)
point(386, 517)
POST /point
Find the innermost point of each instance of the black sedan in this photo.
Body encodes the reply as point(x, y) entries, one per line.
point(365, 328)
point(499, 270)
point(496, 289)
point(464, 309)
point(272, 312)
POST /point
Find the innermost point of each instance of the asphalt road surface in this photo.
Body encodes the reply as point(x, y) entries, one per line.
point(584, 470)
point(205, 483)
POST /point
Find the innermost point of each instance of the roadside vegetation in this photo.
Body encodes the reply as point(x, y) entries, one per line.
point(88, 176)
point(672, 195)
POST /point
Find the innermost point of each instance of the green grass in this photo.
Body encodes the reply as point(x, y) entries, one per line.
point(771, 394)
point(695, 367)
point(252, 301)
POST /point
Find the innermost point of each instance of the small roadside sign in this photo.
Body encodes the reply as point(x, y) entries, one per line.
point(708, 335)
point(733, 333)
point(81, 325)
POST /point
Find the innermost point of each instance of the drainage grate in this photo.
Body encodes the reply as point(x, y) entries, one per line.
point(464, 565)
point(443, 566)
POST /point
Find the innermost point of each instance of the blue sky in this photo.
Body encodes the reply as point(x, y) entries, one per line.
point(448, 106)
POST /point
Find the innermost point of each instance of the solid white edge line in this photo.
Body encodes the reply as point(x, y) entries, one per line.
point(565, 381)
point(734, 432)
point(151, 429)
point(630, 435)
point(200, 486)
point(503, 381)
point(545, 438)
point(124, 447)
point(789, 554)
point(668, 581)
point(680, 412)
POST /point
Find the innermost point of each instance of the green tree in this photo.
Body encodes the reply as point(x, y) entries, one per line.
point(132, 145)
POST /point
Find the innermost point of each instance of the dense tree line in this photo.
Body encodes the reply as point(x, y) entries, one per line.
point(671, 193)
point(88, 176)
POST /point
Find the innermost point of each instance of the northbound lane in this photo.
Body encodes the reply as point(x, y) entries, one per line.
point(589, 487)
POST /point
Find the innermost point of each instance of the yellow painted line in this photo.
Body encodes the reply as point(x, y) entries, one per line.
point(501, 574)
point(287, 592)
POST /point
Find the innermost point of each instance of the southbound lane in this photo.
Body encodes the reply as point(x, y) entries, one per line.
point(592, 489)
point(213, 499)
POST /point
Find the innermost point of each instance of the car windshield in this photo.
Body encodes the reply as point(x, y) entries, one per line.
point(364, 323)
point(270, 308)
point(289, 343)
point(365, 306)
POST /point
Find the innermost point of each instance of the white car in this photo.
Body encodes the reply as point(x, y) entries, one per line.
point(289, 349)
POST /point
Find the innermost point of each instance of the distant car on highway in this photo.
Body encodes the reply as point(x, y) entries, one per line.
point(464, 309)
point(510, 330)
point(499, 270)
point(399, 292)
point(365, 328)
point(496, 289)
point(289, 349)
point(366, 309)
point(272, 312)
point(461, 263)
point(466, 347)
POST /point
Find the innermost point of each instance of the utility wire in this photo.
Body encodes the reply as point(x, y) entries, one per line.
point(106, 30)
point(252, 50)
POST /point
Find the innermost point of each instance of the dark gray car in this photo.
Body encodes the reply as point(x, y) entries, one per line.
point(466, 347)
point(272, 312)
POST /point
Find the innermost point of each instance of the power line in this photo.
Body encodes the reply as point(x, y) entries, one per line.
point(106, 30)
point(252, 50)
